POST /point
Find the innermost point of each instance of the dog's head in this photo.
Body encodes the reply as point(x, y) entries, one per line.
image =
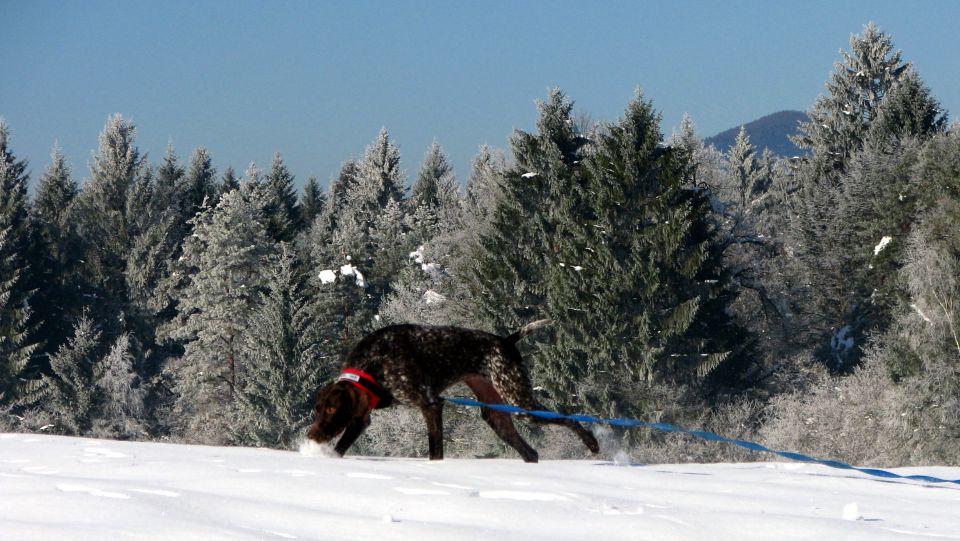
point(337, 405)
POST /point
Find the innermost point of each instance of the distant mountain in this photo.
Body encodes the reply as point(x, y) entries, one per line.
point(771, 131)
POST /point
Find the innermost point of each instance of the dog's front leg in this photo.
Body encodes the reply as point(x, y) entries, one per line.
point(351, 433)
point(433, 415)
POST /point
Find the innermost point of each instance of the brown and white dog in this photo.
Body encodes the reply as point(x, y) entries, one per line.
point(413, 364)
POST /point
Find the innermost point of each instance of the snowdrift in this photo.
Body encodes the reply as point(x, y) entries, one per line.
point(73, 488)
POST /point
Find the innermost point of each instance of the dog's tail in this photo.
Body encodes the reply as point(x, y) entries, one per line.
point(527, 329)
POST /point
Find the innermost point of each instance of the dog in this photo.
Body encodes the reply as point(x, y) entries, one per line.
point(413, 364)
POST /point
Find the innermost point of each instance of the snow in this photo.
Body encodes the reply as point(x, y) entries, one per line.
point(432, 297)
point(55, 487)
point(881, 245)
point(328, 276)
point(528, 175)
point(350, 270)
point(417, 255)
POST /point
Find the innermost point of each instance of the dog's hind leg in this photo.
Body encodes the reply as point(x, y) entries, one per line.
point(499, 421)
point(433, 415)
point(513, 383)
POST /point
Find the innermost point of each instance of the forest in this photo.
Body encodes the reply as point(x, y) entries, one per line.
point(810, 302)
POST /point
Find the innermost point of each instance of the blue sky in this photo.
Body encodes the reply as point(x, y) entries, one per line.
point(316, 80)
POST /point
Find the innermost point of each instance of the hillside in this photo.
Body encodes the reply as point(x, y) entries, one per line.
point(73, 488)
point(770, 132)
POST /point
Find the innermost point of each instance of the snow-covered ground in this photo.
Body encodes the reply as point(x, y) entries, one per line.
point(74, 488)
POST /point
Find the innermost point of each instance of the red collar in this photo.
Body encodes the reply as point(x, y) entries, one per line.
point(366, 383)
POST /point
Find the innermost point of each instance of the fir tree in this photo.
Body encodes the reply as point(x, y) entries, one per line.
point(520, 242)
point(104, 223)
point(121, 393)
point(380, 175)
point(483, 187)
point(282, 210)
point(435, 199)
point(57, 254)
point(229, 183)
point(223, 271)
point(16, 329)
point(312, 202)
point(850, 175)
point(857, 87)
point(197, 184)
point(69, 392)
point(286, 358)
point(363, 230)
point(166, 182)
point(638, 289)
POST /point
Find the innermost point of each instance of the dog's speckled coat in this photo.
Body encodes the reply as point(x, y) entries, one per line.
point(416, 363)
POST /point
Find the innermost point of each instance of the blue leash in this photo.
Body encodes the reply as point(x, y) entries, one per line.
point(709, 436)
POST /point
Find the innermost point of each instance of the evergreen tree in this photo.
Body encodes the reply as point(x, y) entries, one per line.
point(69, 392)
point(56, 255)
point(16, 329)
point(483, 187)
point(840, 119)
point(282, 210)
point(748, 217)
point(435, 199)
point(380, 178)
point(121, 392)
point(167, 181)
point(637, 291)
point(704, 164)
point(222, 271)
point(229, 183)
point(850, 189)
point(312, 202)
point(104, 223)
point(521, 242)
point(55, 192)
point(197, 184)
point(363, 231)
point(286, 358)
point(926, 331)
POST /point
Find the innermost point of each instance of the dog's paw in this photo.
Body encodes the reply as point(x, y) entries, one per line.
point(309, 447)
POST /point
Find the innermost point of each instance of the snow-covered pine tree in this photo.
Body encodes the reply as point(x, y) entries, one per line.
point(380, 175)
point(705, 164)
point(364, 232)
point(57, 254)
point(856, 88)
point(483, 188)
point(121, 393)
point(286, 359)
point(17, 343)
point(167, 180)
point(104, 222)
point(229, 183)
point(926, 328)
point(312, 201)
point(426, 289)
point(197, 184)
point(435, 199)
point(223, 270)
point(848, 121)
point(69, 393)
point(520, 245)
point(636, 285)
point(282, 209)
